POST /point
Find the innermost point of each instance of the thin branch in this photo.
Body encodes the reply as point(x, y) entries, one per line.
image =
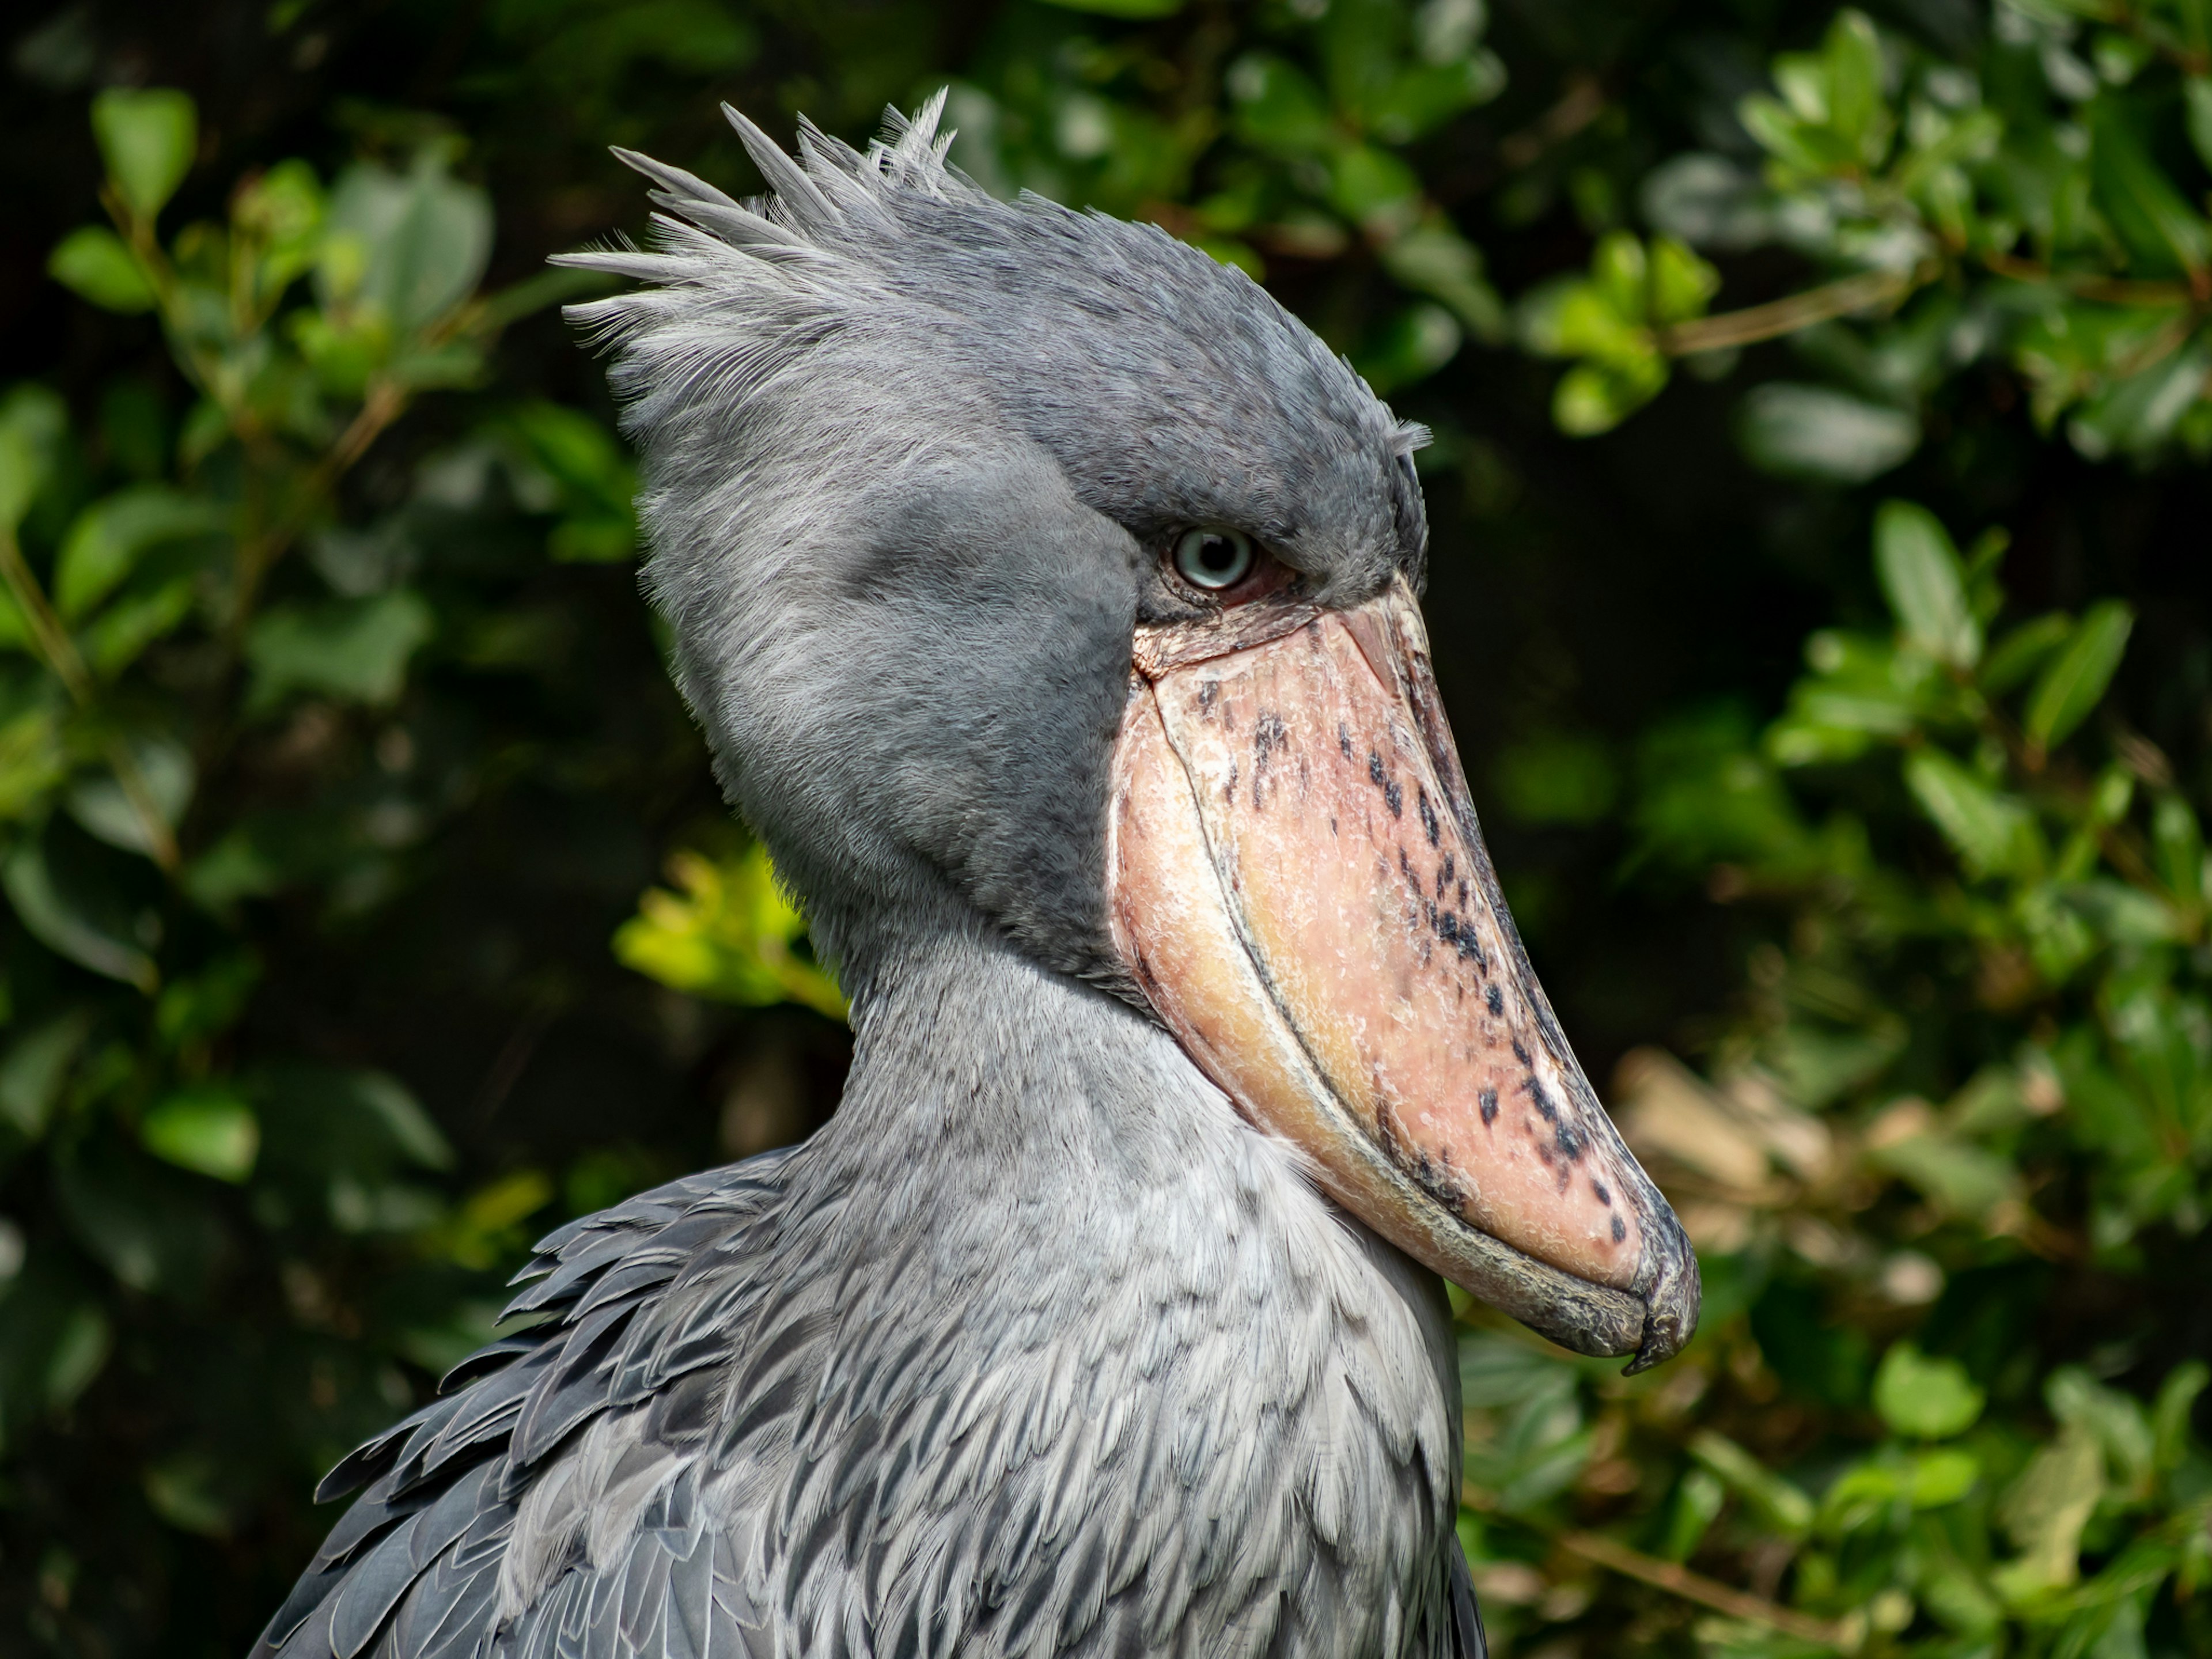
point(1863, 292)
point(384, 405)
point(1678, 1580)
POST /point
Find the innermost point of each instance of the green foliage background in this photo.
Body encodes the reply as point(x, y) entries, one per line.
point(1820, 591)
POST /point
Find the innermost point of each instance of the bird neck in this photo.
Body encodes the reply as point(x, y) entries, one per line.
point(973, 1061)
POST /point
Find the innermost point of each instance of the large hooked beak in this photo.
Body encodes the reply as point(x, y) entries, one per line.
point(1298, 886)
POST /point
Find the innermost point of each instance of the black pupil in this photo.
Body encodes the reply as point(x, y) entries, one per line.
point(1216, 554)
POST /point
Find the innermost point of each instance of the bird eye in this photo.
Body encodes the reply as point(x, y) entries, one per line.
point(1213, 558)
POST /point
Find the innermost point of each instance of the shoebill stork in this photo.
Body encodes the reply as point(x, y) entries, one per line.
point(1046, 594)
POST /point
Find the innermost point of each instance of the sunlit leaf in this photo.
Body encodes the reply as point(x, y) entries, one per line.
point(727, 932)
point(2045, 1510)
point(147, 137)
point(208, 1129)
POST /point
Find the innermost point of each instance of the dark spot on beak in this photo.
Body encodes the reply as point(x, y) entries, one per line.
point(1428, 817)
point(1604, 1196)
point(1488, 1100)
point(1209, 693)
point(1548, 1112)
point(1344, 740)
point(1494, 999)
point(1620, 1230)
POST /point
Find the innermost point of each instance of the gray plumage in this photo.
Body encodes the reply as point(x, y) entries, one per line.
point(1039, 1347)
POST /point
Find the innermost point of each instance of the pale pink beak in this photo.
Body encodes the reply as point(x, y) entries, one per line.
point(1298, 886)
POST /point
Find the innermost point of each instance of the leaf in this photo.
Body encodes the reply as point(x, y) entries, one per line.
point(1437, 260)
point(1925, 1398)
point(1988, 831)
point(105, 807)
point(2046, 1511)
point(727, 933)
point(2196, 98)
point(94, 264)
point(421, 240)
point(110, 536)
point(148, 138)
point(1277, 108)
point(1414, 343)
point(32, 422)
point(2014, 657)
point(1926, 587)
point(1782, 1502)
point(1816, 432)
point(114, 638)
point(2164, 233)
point(207, 1129)
point(356, 650)
point(56, 921)
point(79, 1354)
point(35, 1066)
point(2074, 682)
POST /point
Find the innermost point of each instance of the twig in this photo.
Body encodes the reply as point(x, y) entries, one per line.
point(1678, 1580)
point(1582, 103)
point(384, 405)
point(1786, 316)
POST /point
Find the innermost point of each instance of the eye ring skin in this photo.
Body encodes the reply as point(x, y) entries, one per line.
point(1213, 558)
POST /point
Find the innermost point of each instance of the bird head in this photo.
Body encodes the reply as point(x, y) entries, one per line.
point(1033, 573)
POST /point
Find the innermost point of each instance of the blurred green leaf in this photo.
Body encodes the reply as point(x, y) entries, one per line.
point(2074, 682)
point(148, 138)
point(2196, 98)
point(410, 246)
point(1925, 583)
point(1990, 832)
point(162, 771)
point(206, 1129)
point(1782, 1504)
point(35, 1068)
point(2164, 233)
point(356, 650)
point(2015, 656)
point(2044, 1511)
point(32, 423)
point(110, 536)
point(60, 920)
point(1927, 1399)
point(1818, 433)
point(93, 262)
